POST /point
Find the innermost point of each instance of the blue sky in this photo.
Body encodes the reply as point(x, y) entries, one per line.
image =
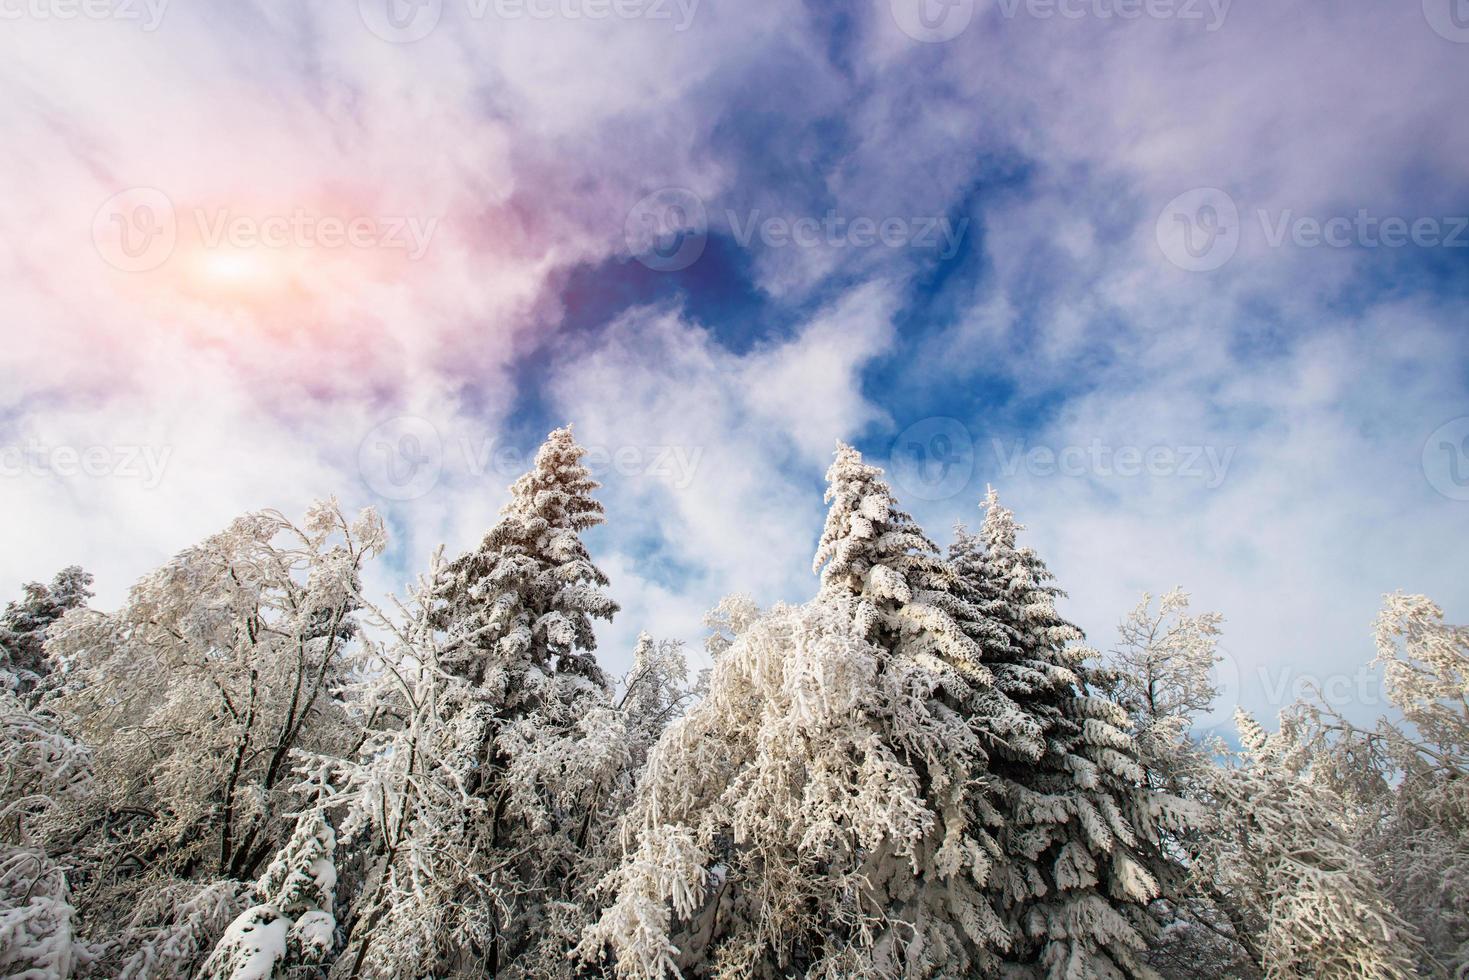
point(1185, 282)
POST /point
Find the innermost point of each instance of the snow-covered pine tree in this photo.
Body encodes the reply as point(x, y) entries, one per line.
point(480, 799)
point(292, 926)
point(810, 817)
point(519, 608)
point(823, 811)
point(905, 593)
point(23, 661)
point(1080, 834)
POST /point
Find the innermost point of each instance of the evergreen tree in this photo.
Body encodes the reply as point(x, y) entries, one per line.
point(1080, 834)
point(480, 801)
point(825, 811)
point(292, 926)
point(519, 608)
point(23, 661)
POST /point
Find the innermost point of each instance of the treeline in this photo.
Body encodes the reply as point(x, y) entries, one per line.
point(253, 769)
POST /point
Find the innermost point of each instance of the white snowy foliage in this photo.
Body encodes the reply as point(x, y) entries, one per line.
point(292, 923)
point(793, 816)
point(38, 928)
point(220, 665)
point(919, 773)
point(1282, 858)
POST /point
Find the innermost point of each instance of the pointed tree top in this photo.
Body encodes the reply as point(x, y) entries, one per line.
point(557, 488)
point(999, 526)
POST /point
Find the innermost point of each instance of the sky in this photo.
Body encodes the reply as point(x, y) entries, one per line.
point(1184, 280)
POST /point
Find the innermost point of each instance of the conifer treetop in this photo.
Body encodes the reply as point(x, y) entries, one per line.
point(864, 530)
point(529, 592)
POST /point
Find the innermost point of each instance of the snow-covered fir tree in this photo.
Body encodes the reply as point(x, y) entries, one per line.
point(495, 748)
point(292, 926)
point(1081, 831)
point(23, 661)
point(812, 816)
point(519, 608)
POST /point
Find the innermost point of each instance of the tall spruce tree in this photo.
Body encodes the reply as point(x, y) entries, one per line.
point(519, 608)
point(824, 812)
point(479, 802)
point(1080, 834)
